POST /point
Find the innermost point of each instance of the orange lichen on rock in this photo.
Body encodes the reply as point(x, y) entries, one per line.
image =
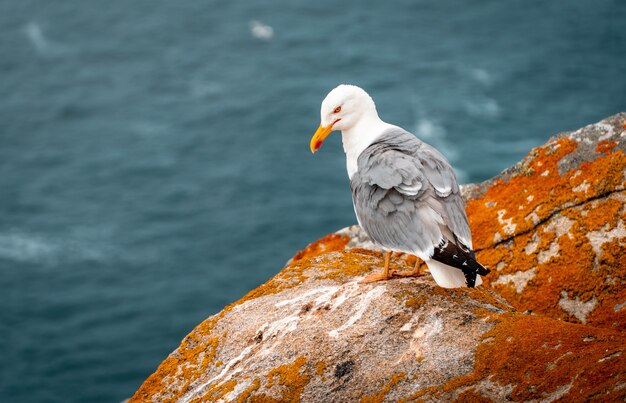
point(520, 356)
point(605, 146)
point(197, 351)
point(216, 392)
point(576, 269)
point(290, 379)
point(320, 367)
point(329, 243)
point(472, 396)
point(245, 395)
point(541, 229)
point(333, 264)
point(514, 206)
point(505, 208)
point(569, 366)
point(380, 396)
point(192, 358)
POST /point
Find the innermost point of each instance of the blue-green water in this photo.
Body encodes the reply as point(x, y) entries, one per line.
point(154, 161)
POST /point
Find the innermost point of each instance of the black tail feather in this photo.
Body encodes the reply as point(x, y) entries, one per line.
point(462, 258)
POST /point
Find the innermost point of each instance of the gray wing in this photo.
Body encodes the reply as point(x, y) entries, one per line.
point(406, 196)
point(451, 205)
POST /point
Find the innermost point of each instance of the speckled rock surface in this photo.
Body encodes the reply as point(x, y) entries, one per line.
point(313, 333)
point(551, 229)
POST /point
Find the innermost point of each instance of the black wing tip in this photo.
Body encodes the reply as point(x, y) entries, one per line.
point(472, 273)
point(462, 258)
point(470, 279)
point(471, 276)
point(482, 270)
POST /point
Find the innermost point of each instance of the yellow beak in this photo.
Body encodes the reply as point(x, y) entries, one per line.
point(319, 136)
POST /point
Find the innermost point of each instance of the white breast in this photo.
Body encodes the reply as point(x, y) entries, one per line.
point(351, 163)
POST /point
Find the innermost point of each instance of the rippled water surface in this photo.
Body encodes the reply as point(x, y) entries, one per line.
point(154, 161)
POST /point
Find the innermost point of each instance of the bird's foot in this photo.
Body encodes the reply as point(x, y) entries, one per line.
point(374, 277)
point(415, 272)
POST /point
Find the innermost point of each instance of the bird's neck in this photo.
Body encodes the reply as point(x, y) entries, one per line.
point(356, 139)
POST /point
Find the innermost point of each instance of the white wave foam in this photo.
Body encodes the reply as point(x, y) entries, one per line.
point(483, 108)
point(428, 129)
point(200, 88)
point(35, 35)
point(23, 248)
point(435, 134)
point(40, 43)
point(480, 75)
point(261, 31)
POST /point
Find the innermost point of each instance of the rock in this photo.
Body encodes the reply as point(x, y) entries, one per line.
point(552, 227)
point(313, 333)
point(551, 230)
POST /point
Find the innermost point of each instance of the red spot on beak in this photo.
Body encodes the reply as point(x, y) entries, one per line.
point(318, 144)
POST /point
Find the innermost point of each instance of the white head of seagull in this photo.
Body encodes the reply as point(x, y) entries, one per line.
point(345, 105)
point(350, 109)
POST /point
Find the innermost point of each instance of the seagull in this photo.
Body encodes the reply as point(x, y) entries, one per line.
point(405, 193)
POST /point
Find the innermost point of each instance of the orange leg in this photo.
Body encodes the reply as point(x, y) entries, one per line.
point(385, 275)
point(410, 273)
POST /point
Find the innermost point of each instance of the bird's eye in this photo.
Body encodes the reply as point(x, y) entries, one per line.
point(337, 109)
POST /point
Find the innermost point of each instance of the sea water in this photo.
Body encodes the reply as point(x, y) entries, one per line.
point(155, 163)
